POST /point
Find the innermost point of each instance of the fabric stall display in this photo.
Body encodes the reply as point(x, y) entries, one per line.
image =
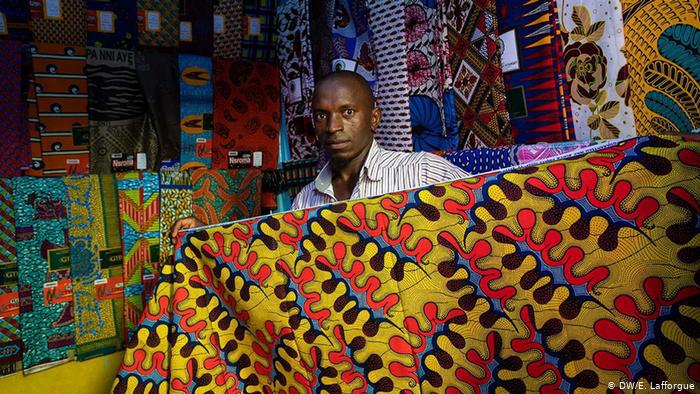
point(196, 107)
point(352, 40)
point(13, 131)
point(596, 69)
point(296, 76)
point(17, 20)
point(11, 345)
point(228, 29)
point(259, 31)
point(530, 71)
point(159, 75)
point(96, 264)
point(111, 24)
point(299, 173)
point(502, 275)
point(175, 203)
point(43, 265)
point(662, 44)
point(59, 22)
point(62, 104)
point(429, 77)
point(196, 27)
point(386, 20)
point(479, 91)
point(139, 227)
point(220, 196)
point(246, 115)
point(158, 24)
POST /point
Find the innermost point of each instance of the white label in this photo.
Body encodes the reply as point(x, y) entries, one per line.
point(294, 90)
point(201, 140)
point(119, 284)
point(344, 64)
point(100, 282)
point(253, 26)
point(185, 31)
point(49, 285)
point(148, 276)
point(510, 59)
point(3, 24)
point(219, 25)
point(257, 159)
point(141, 161)
point(105, 21)
point(152, 20)
point(116, 155)
point(52, 8)
point(72, 161)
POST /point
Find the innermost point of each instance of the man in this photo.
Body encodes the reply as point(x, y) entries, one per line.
point(345, 119)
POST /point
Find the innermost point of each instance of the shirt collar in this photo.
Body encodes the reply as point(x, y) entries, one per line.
point(370, 168)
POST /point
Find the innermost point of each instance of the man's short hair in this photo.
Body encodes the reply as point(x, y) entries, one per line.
point(359, 79)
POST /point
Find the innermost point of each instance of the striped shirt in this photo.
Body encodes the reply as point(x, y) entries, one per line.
point(383, 172)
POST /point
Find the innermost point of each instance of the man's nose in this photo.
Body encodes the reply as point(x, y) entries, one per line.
point(335, 122)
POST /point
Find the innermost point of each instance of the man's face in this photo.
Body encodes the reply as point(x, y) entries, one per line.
point(344, 120)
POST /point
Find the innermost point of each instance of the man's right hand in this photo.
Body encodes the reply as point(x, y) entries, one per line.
point(183, 224)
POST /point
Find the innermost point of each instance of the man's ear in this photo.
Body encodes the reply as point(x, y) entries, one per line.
point(376, 116)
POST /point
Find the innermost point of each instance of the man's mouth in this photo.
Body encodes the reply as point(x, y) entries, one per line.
point(336, 144)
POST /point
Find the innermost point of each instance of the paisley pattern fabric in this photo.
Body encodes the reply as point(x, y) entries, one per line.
point(13, 130)
point(246, 112)
point(220, 196)
point(67, 27)
point(196, 108)
point(124, 31)
point(10, 339)
point(596, 69)
point(508, 282)
point(93, 232)
point(139, 227)
point(662, 43)
point(158, 23)
point(175, 203)
point(41, 224)
point(227, 43)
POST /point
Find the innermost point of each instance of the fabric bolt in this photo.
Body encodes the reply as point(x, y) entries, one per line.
point(352, 40)
point(114, 92)
point(159, 77)
point(111, 24)
point(501, 275)
point(429, 76)
point(220, 196)
point(246, 112)
point(199, 15)
point(299, 173)
point(482, 160)
point(37, 161)
point(41, 229)
point(158, 23)
point(16, 15)
point(259, 31)
point(386, 20)
point(529, 153)
point(196, 108)
point(296, 76)
point(93, 231)
point(321, 17)
point(10, 337)
point(175, 203)
point(62, 101)
point(227, 40)
point(66, 26)
point(662, 80)
point(13, 132)
point(530, 72)
point(139, 227)
point(122, 138)
point(479, 91)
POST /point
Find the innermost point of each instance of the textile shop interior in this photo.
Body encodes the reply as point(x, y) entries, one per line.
point(568, 261)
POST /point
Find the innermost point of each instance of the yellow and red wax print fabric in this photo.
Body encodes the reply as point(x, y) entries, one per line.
point(557, 278)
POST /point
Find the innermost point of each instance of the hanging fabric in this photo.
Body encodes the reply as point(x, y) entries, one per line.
point(11, 344)
point(259, 31)
point(196, 27)
point(111, 24)
point(158, 23)
point(17, 20)
point(175, 203)
point(220, 196)
point(228, 29)
point(196, 111)
point(13, 130)
point(59, 22)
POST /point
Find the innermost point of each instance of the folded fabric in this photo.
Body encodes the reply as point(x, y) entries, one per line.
point(37, 160)
point(508, 282)
point(119, 145)
point(62, 105)
point(139, 228)
point(43, 264)
point(175, 203)
point(15, 14)
point(196, 108)
point(246, 113)
point(197, 27)
point(11, 345)
point(59, 22)
point(529, 153)
point(96, 264)
point(111, 24)
point(158, 23)
point(259, 31)
point(220, 196)
point(481, 160)
point(228, 29)
point(14, 139)
point(114, 91)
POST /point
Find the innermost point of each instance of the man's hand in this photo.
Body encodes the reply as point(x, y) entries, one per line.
point(183, 224)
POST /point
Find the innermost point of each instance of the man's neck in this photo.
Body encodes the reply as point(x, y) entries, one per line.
point(349, 170)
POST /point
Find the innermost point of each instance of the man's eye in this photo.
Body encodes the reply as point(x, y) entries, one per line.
point(349, 112)
point(319, 115)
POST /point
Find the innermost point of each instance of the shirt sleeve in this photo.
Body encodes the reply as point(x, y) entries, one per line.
point(435, 169)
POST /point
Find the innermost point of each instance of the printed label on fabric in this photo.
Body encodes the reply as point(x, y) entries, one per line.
point(510, 58)
point(141, 161)
point(105, 21)
point(152, 20)
point(239, 159)
point(8, 273)
point(110, 258)
point(57, 292)
point(219, 24)
point(186, 31)
point(294, 87)
point(109, 289)
point(344, 64)
point(59, 259)
point(257, 159)
point(52, 9)
point(9, 304)
point(122, 162)
point(3, 24)
point(252, 27)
